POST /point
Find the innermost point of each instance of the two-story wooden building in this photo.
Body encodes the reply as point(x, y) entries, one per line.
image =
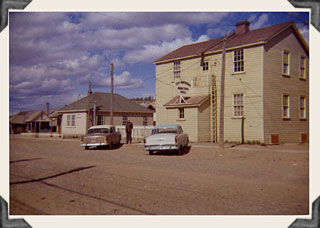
point(266, 91)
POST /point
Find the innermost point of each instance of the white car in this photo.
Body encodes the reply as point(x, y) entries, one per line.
point(166, 137)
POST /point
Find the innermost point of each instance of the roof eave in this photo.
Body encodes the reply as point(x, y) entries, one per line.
point(188, 105)
point(69, 111)
point(182, 106)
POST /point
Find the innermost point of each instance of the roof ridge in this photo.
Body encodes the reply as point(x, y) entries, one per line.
point(199, 47)
point(216, 39)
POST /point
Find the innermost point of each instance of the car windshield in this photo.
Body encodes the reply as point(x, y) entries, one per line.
point(98, 130)
point(164, 130)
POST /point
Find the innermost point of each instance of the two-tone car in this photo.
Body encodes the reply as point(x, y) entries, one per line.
point(169, 137)
point(101, 136)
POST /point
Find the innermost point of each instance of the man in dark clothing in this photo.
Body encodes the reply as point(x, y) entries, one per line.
point(129, 127)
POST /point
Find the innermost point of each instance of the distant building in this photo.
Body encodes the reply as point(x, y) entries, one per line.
point(30, 122)
point(149, 104)
point(266, 93)
point(94, 109)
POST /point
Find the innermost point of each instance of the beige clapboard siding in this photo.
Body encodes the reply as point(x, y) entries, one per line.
point(250, 84)
point(204, 122)
point(164, 90)
point(275, 85)
point(189, 127)
point(80, 124)
point(262, 85)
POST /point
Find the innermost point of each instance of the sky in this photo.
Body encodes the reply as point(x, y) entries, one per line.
point(54, 55)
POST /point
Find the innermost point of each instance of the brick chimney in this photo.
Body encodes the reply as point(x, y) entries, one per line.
point(47, 108)
point(242, 27)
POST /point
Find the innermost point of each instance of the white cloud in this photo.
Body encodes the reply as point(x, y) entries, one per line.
point(252, 17)
point(304, 30)
point(261, 22)
point(120, 81)
point(53, 54)
point(152, 52)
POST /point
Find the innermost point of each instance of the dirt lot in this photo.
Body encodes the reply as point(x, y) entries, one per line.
point(57, 177)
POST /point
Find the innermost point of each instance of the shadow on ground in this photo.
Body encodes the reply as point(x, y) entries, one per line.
point(185, 151)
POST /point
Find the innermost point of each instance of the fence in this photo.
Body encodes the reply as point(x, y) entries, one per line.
point(138, 132)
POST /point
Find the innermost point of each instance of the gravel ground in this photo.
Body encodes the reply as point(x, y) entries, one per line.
point(57, 177)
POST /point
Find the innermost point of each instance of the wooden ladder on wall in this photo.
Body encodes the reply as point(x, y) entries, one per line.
point(213, 96)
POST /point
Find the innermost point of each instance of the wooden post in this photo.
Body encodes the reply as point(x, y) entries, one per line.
point(242, 130)
point(221, 128)
point(89, 103)
point(111, 103)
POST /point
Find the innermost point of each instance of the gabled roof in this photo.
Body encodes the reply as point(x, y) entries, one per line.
point(189, 101)
point(25, 116)
point(258, 36)
point(103, 103)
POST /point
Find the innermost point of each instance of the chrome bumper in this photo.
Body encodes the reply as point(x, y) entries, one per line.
point(161, 147)
point(94, 144)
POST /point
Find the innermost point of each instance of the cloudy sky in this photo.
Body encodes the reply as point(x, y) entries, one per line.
point(54, 55)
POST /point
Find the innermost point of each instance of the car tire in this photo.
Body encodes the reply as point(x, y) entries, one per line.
point(86, 148)
point(180, 151)
point(151, 152)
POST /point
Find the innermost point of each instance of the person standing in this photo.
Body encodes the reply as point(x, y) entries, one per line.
point(129, 127)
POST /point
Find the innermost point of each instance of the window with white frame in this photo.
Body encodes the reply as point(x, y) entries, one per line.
point(205, 66)
point(302, 67)
point(71, 120)
point(238, 60)
point(100, 120)
point(145, 121)
point(303, 110)
point(238, 104)
point(181, 113)
point(124, 119)
point(286, 106)
point(176, 69)
point(286, 62)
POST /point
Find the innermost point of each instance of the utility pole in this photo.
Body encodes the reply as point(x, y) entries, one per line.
point(94, 114)
point(89, 104)
point(221, 128)
point(111, 103)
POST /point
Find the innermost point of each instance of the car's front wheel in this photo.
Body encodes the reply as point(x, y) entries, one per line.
point(151, 152)
point(86, 148)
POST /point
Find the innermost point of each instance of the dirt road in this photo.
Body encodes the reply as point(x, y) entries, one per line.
point(57, 177)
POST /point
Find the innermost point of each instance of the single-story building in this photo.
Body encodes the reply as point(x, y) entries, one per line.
point(30, 122)
point(95, 109)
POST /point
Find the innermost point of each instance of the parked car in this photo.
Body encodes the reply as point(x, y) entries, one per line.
point(101, 135)
point(168, 137)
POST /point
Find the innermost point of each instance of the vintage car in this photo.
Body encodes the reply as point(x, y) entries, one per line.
point(101, 136)
point(166, 137)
